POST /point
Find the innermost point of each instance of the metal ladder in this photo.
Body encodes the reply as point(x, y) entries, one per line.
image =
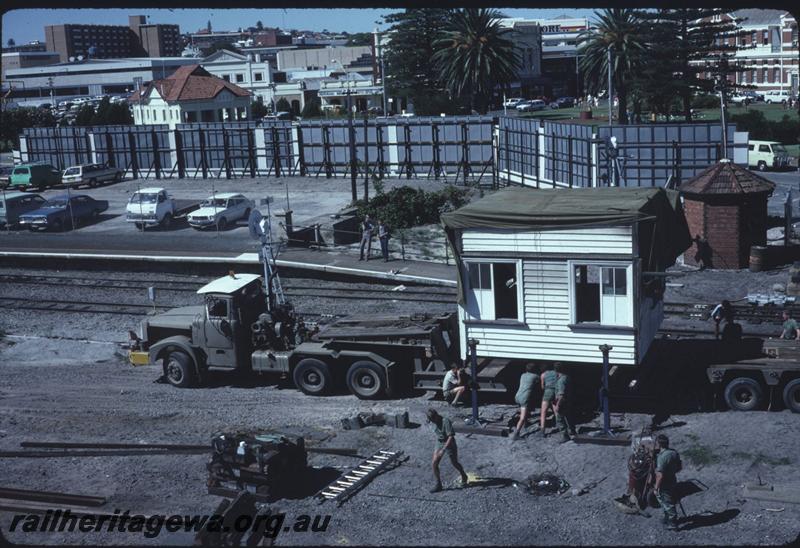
point(270, 271)
point(352, 482)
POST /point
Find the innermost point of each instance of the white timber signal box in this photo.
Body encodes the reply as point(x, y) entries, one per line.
point(550, 275)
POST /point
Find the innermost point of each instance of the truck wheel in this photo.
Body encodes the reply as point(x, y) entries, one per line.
point(791, 396)
point(138, 226)
point(166, 221)
point(58, 226)
point(222, 224)
point(117, 176)
point(743, 394)
point(366, 380)
point(92, 183)
point(178, 369)
point(762, 165)
point(312, 377)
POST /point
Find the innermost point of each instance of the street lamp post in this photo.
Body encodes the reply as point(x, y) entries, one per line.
point(351, 134)
point(610, 101)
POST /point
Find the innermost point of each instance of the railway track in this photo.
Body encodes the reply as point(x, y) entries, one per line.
point(291, 289)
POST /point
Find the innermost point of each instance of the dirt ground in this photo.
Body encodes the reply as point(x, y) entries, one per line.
point(57, 386)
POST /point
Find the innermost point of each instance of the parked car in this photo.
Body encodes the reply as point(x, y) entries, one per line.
point(5, 175)
point(14, 204)
point(90, 175)
point(376, 111)
point(283, 115)
point(776, 96)
point(532, 105)
point(563, 102)
point(36, 175)
point(149, 207)
point(220, 210)
point(513, 102)
point(63, 211)
point(767, 154)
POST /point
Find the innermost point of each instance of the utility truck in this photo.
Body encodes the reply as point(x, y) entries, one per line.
point(154, 207)
point(237, 330)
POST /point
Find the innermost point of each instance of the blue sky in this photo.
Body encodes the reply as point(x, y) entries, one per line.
point(27, 24)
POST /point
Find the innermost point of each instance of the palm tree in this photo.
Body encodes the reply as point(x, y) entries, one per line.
point(620, 30)
point(473, 55)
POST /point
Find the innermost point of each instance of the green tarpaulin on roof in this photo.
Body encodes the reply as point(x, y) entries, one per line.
point(662, 231)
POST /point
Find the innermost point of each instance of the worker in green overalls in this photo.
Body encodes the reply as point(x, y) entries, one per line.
point(446, 444)
point(548, 383)
point(524, 398)
point(563, 403)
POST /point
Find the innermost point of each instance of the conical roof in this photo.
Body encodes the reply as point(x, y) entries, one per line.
point(725, 177)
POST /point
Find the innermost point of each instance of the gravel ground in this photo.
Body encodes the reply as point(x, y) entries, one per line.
point(57, 389)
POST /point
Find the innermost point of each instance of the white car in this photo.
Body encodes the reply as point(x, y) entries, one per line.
point(513, 102)
point(220, 210)
point(90, 175)
point(532, 105)
point(776, 96)
point(150, 206)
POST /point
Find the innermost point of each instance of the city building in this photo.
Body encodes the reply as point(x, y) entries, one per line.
point(64, 81)
point(559, 73)
point(25, 59)
point(354, 91)
point(527, 38)
point(138, 39)
point(354, 59)
point(34, 45)
point(204, 40)
point(156, 40)
point(190, 94)
point(256, 75)
point(767, 44)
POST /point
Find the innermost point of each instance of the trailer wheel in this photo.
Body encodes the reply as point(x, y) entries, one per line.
point(312, 377)
point(743, 394)
point(178, 369)
point(791, 395)
point(366, 380)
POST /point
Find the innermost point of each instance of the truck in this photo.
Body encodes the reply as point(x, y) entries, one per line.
point(237, 329)
point(154, 207)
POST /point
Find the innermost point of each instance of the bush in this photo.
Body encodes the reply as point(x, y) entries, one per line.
point(406, 207)
point(283, 105)
point(257, 110)
point(755, 123)
point(312, 109)
point(705, 101)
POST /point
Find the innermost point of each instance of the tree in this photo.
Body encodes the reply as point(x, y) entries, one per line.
point(259, 25)
point(84, 116)
point(687, 42)
point(208, 26)
point(474, 55)
point(619, 29)
point(13, 121)
point(408, 64)
point(312, 109)
point(11, 42)
point(283, 105)
point(258, 109)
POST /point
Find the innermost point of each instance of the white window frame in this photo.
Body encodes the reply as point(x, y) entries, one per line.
point(520, 289)
point(631, 286)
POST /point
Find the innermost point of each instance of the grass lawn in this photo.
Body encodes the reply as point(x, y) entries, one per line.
point(773, 113)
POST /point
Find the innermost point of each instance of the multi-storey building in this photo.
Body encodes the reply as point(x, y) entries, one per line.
point(767, 50)
point(25, 59)
point(559, 72)
point(138, 39)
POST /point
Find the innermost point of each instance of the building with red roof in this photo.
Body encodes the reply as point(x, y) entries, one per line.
point(190, 94)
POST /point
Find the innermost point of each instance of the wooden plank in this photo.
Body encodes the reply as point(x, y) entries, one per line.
point(482, 430)
point(787, 496)
point(603, 439)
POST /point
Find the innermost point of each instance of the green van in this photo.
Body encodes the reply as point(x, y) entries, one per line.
point(40, 176)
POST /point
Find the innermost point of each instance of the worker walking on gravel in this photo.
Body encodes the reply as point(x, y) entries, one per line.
point(668, 464)
point(548, 384)
point(445, 444)
point(524, 398)
point(723, 311)
point(563, 404)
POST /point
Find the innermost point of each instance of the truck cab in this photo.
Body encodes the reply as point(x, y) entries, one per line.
point(150, 207)
point(191, 340)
